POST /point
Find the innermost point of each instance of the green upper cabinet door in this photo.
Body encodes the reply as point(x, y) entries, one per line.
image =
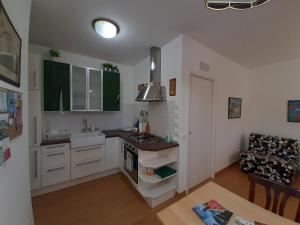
point(111, 91)
point(56, 86)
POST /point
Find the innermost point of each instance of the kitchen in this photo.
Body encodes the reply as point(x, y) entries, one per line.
point(88, 125)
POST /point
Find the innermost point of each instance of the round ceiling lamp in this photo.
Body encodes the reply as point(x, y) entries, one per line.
point(234, 4)
point(106, 28)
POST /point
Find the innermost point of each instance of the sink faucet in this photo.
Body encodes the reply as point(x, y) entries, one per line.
point(85, 129)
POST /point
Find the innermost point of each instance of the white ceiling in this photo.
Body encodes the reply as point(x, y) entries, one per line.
point(255, 37)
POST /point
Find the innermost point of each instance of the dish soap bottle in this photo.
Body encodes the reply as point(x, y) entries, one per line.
point(147, 128)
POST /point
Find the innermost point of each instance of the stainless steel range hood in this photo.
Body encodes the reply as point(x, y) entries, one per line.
point(154, 92)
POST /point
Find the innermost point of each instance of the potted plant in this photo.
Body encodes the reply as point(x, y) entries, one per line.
point(110, 68)
point(54, 54)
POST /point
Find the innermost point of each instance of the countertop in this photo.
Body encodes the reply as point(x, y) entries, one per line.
point(55, 142)
point(154, 147)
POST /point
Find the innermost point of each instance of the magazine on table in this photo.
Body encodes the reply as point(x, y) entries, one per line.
point(212, 213)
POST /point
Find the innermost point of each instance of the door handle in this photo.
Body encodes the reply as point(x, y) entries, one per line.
point(34, 78)
point(36, 162)
point(85, 163)
point(60, 168)
point(61, 153)
point(35, 129)
point(56, 146)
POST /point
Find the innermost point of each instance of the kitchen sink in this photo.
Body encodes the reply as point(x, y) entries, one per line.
point(80, 140)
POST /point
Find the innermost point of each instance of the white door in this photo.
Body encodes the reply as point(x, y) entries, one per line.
point(200, 138)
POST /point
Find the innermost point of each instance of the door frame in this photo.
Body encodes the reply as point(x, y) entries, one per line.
point(213, 123)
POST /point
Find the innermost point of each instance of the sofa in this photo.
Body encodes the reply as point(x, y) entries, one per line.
point(271, 157)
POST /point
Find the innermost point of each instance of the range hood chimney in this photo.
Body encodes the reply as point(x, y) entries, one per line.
point(153, 92)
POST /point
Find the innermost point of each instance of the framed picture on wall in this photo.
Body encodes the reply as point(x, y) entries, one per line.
point(294, 111)
point(10, 50)
point(234, 108)
point(173, 87)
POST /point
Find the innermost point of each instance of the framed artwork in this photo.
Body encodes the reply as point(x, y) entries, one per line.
point(234, 108)
point(294, 111)
point(10, 50)
point(173, 87)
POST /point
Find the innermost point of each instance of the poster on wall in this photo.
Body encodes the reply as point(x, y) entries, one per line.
point(294, 111)
point(3, 126)
point(234, 108)
point(3, 100)
point(10, 50)
point(14, 108)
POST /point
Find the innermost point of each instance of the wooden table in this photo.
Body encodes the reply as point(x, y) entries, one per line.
point(180, 213)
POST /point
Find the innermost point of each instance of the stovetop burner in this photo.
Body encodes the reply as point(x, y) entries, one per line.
point(144, 138)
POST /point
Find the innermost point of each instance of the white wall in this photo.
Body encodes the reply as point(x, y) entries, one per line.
point(15, 202)
point(230, 80)
point(102, 120)
point(181, 58)
point(270, 88)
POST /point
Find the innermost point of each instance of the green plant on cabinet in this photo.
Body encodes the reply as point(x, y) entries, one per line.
point(111, 91)
point(56, 86)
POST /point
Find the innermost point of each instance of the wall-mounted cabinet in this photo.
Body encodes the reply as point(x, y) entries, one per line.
point(56, 86)
point(86, 89)
point(111, 91)
point(79, 89)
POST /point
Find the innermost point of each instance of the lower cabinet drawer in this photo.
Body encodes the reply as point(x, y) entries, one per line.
point(87, 153)
point(88, 167)
point(54, 159)
point(55, 175)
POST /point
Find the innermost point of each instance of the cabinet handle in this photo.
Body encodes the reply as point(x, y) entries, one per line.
point(35, 129)
point(56, 146)
point(60, 168)
point(87, 149)
point(118, 98)
point(85, 163)
point(61, 153)
point(34, 78)
point(36, 162)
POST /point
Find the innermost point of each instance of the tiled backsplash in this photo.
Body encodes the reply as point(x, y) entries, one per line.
point(101, 120)
point(163, 117)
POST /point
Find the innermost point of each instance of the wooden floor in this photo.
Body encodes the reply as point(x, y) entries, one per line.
point(113, 201)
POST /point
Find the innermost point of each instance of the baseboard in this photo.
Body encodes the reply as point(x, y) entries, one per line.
point(70, 183)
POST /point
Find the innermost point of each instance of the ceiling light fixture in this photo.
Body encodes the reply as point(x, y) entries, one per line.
point(106, 28)
point(234, 4)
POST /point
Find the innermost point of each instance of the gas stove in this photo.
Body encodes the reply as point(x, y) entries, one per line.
point(144, 138)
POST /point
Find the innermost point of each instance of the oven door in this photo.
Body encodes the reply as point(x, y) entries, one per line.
point(131, 164)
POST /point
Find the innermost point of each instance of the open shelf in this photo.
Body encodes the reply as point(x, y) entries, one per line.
point(158, 162)
point(155, 178)
point(158, 191)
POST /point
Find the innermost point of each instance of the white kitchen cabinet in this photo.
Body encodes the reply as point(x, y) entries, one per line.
point(35, 166)
point(88, 160)
point(87, 167)
point(34, 72)
point(34, 118)
point(112, 153)
point(55, 164)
